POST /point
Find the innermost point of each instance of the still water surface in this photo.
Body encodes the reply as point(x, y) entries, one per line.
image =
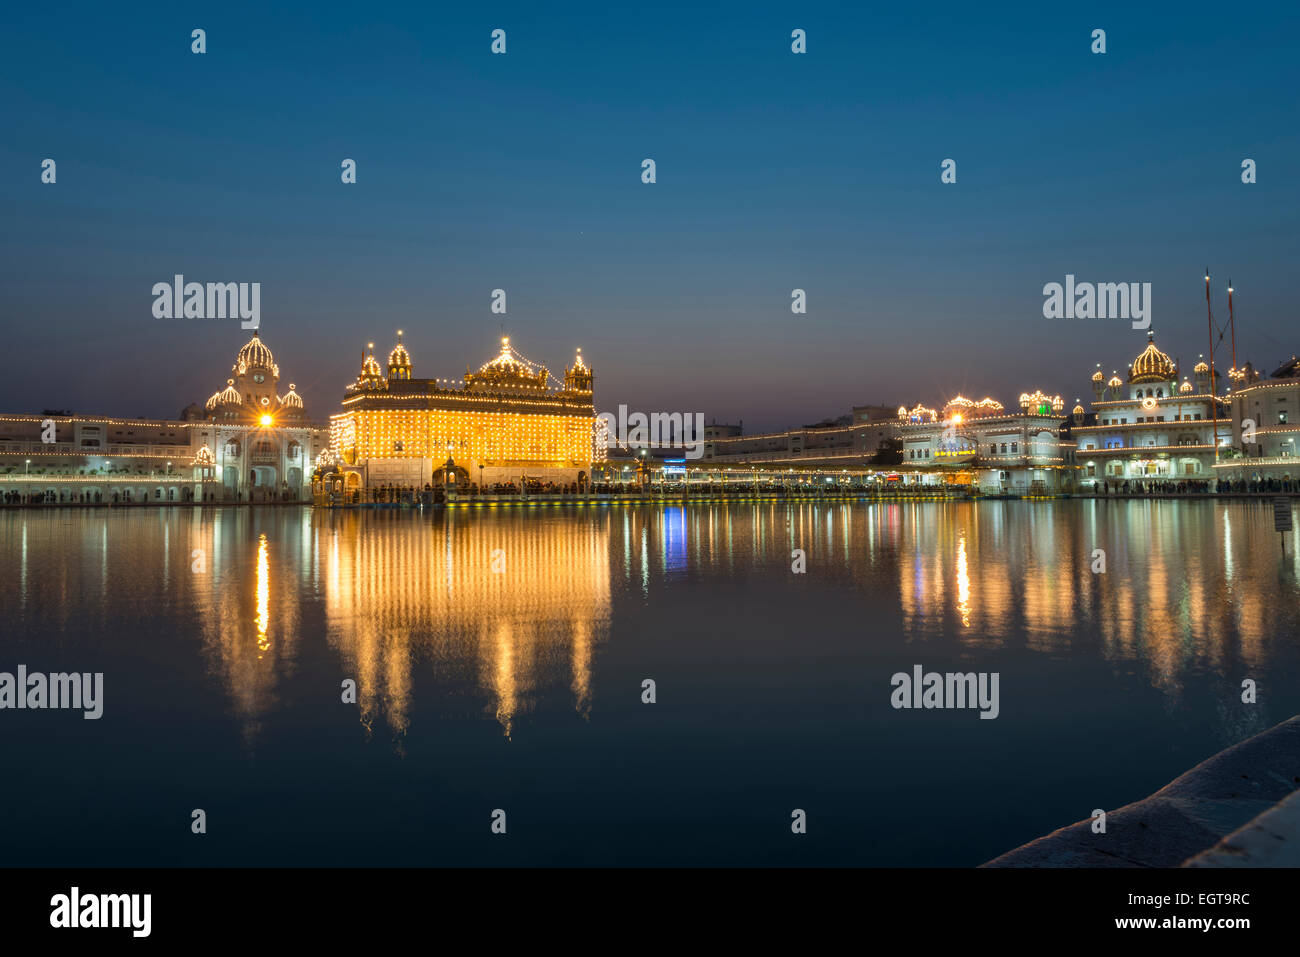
point(521, 689)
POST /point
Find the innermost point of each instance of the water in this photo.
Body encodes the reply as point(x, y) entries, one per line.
point(521, 689)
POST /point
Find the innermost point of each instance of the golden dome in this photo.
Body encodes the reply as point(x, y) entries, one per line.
point(1097, 376)
point(399, 359)
point(255, 355)
point(1078, 410)
point(1152, 365)
point(1185, 387)
point(1201, 368)
point(509, 371)
point(1115, 382)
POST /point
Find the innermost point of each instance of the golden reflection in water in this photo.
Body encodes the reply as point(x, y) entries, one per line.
point(963, 582)
point(247, 602)
point(1172, 596)
point(263, 597)
point(408, 595)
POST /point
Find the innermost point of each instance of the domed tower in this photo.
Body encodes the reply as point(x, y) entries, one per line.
point(1098, 383)
point(255, 377)
point(579, 377)
point(1153, 373)
point(1201, 373)
point(399, 361)
point(291, 407)
point(371, 377)
point(1114, 385)
point(225, 405)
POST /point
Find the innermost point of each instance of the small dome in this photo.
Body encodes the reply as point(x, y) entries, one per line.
point(1152, 365)
point(399, 360)
point(371, 376)
point(1097, 376)
point(255, 355)
point(1201, 368)
point(1115, 382)
point(1078, 410)
point(291, 400)
point(1185, 387)
point(227, 396)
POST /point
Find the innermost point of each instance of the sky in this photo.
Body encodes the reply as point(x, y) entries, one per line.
point(774, 171)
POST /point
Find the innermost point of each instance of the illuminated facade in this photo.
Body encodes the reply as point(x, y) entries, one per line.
point(1269, 411)
point(854, 441)
point(504, 423)
point(1152, 427)
point(248, 443)
point(981, 443)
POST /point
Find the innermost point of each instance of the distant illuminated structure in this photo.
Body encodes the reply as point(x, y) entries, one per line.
point(247, 443)
point(979, 442)
point(1152, 427)
point(504, 423)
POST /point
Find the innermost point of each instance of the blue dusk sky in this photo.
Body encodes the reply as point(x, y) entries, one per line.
point(523, 172)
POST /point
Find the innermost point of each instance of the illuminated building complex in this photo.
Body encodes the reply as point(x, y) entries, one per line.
point(1267, 410)
point(248, 443)
point(981, 443)
point(1153, 427)
point(504, 423)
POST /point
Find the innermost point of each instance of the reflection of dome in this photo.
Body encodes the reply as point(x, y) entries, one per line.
point(1185, 387)
point(399, 360)
point(255, 355)
point(227, 396)
point(1152, 365)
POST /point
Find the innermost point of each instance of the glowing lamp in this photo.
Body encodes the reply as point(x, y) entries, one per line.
point(265, 420)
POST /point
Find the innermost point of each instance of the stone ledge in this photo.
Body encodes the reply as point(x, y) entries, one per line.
point(1220, 797)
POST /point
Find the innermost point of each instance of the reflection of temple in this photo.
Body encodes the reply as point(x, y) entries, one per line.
point(504, 608)
point(249, 614)
point(1174, 597)
point(506, 422)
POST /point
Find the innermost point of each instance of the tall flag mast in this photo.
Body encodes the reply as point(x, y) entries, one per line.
point(1214, 387)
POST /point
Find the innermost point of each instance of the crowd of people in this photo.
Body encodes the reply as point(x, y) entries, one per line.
point(1198, 487)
